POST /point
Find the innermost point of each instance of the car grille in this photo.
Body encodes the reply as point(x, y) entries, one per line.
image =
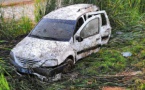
point(27, 62)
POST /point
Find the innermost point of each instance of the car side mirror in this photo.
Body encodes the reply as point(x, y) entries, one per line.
point(79, 39)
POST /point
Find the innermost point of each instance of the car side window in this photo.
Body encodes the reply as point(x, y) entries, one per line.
point(79, 24)
point(104, 22)
point(90, 29)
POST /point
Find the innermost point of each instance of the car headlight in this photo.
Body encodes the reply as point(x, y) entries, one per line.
point(13, 57)
point(50, 63)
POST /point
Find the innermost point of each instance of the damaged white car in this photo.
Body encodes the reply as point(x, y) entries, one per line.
point(61, 38)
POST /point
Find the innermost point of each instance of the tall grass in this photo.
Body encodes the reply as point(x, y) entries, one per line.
point(39, 9)
point(3, 82)
point(43, 7)
point(13, 28)
point(122, 13)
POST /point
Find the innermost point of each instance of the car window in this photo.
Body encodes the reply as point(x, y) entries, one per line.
point(90, 29)
point(104, 22)
point(54, 29)
point(79, 24)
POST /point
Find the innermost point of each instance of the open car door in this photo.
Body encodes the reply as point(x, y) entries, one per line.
point(105, 30)
point(88, 39)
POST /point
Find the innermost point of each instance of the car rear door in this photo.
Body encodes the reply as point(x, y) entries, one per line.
point(87, 39)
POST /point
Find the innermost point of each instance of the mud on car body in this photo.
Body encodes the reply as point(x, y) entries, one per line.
point(61, 38)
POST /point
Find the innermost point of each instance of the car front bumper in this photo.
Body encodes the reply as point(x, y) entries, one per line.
point(39, 71)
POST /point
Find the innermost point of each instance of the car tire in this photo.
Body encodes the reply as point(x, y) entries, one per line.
point(69, 65)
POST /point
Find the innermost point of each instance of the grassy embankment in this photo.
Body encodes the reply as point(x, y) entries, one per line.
point(10, 29)
point(90, 73)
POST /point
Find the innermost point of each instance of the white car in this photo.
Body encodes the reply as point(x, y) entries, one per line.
point(61, 38)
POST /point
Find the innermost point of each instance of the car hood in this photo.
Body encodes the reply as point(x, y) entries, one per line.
point(39, 49)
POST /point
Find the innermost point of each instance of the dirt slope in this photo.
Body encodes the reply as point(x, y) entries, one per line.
point(18, 8)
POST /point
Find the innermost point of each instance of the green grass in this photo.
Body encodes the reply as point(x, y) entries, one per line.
point(3, 82)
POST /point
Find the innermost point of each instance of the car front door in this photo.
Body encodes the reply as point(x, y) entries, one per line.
point(87, 39)
point(105, 30)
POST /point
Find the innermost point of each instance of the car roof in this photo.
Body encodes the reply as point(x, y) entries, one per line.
point(71, 12)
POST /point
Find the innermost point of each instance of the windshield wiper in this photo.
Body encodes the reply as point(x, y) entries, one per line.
point(36, 36)
point(51, 38)
point(47, 38)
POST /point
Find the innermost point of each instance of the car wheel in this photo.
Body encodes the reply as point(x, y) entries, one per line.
point(69, 65)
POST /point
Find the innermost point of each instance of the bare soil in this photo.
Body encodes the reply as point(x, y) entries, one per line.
point(16, 2)
point(113, 88)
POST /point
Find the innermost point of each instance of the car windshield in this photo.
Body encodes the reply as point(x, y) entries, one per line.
point(54, 29)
